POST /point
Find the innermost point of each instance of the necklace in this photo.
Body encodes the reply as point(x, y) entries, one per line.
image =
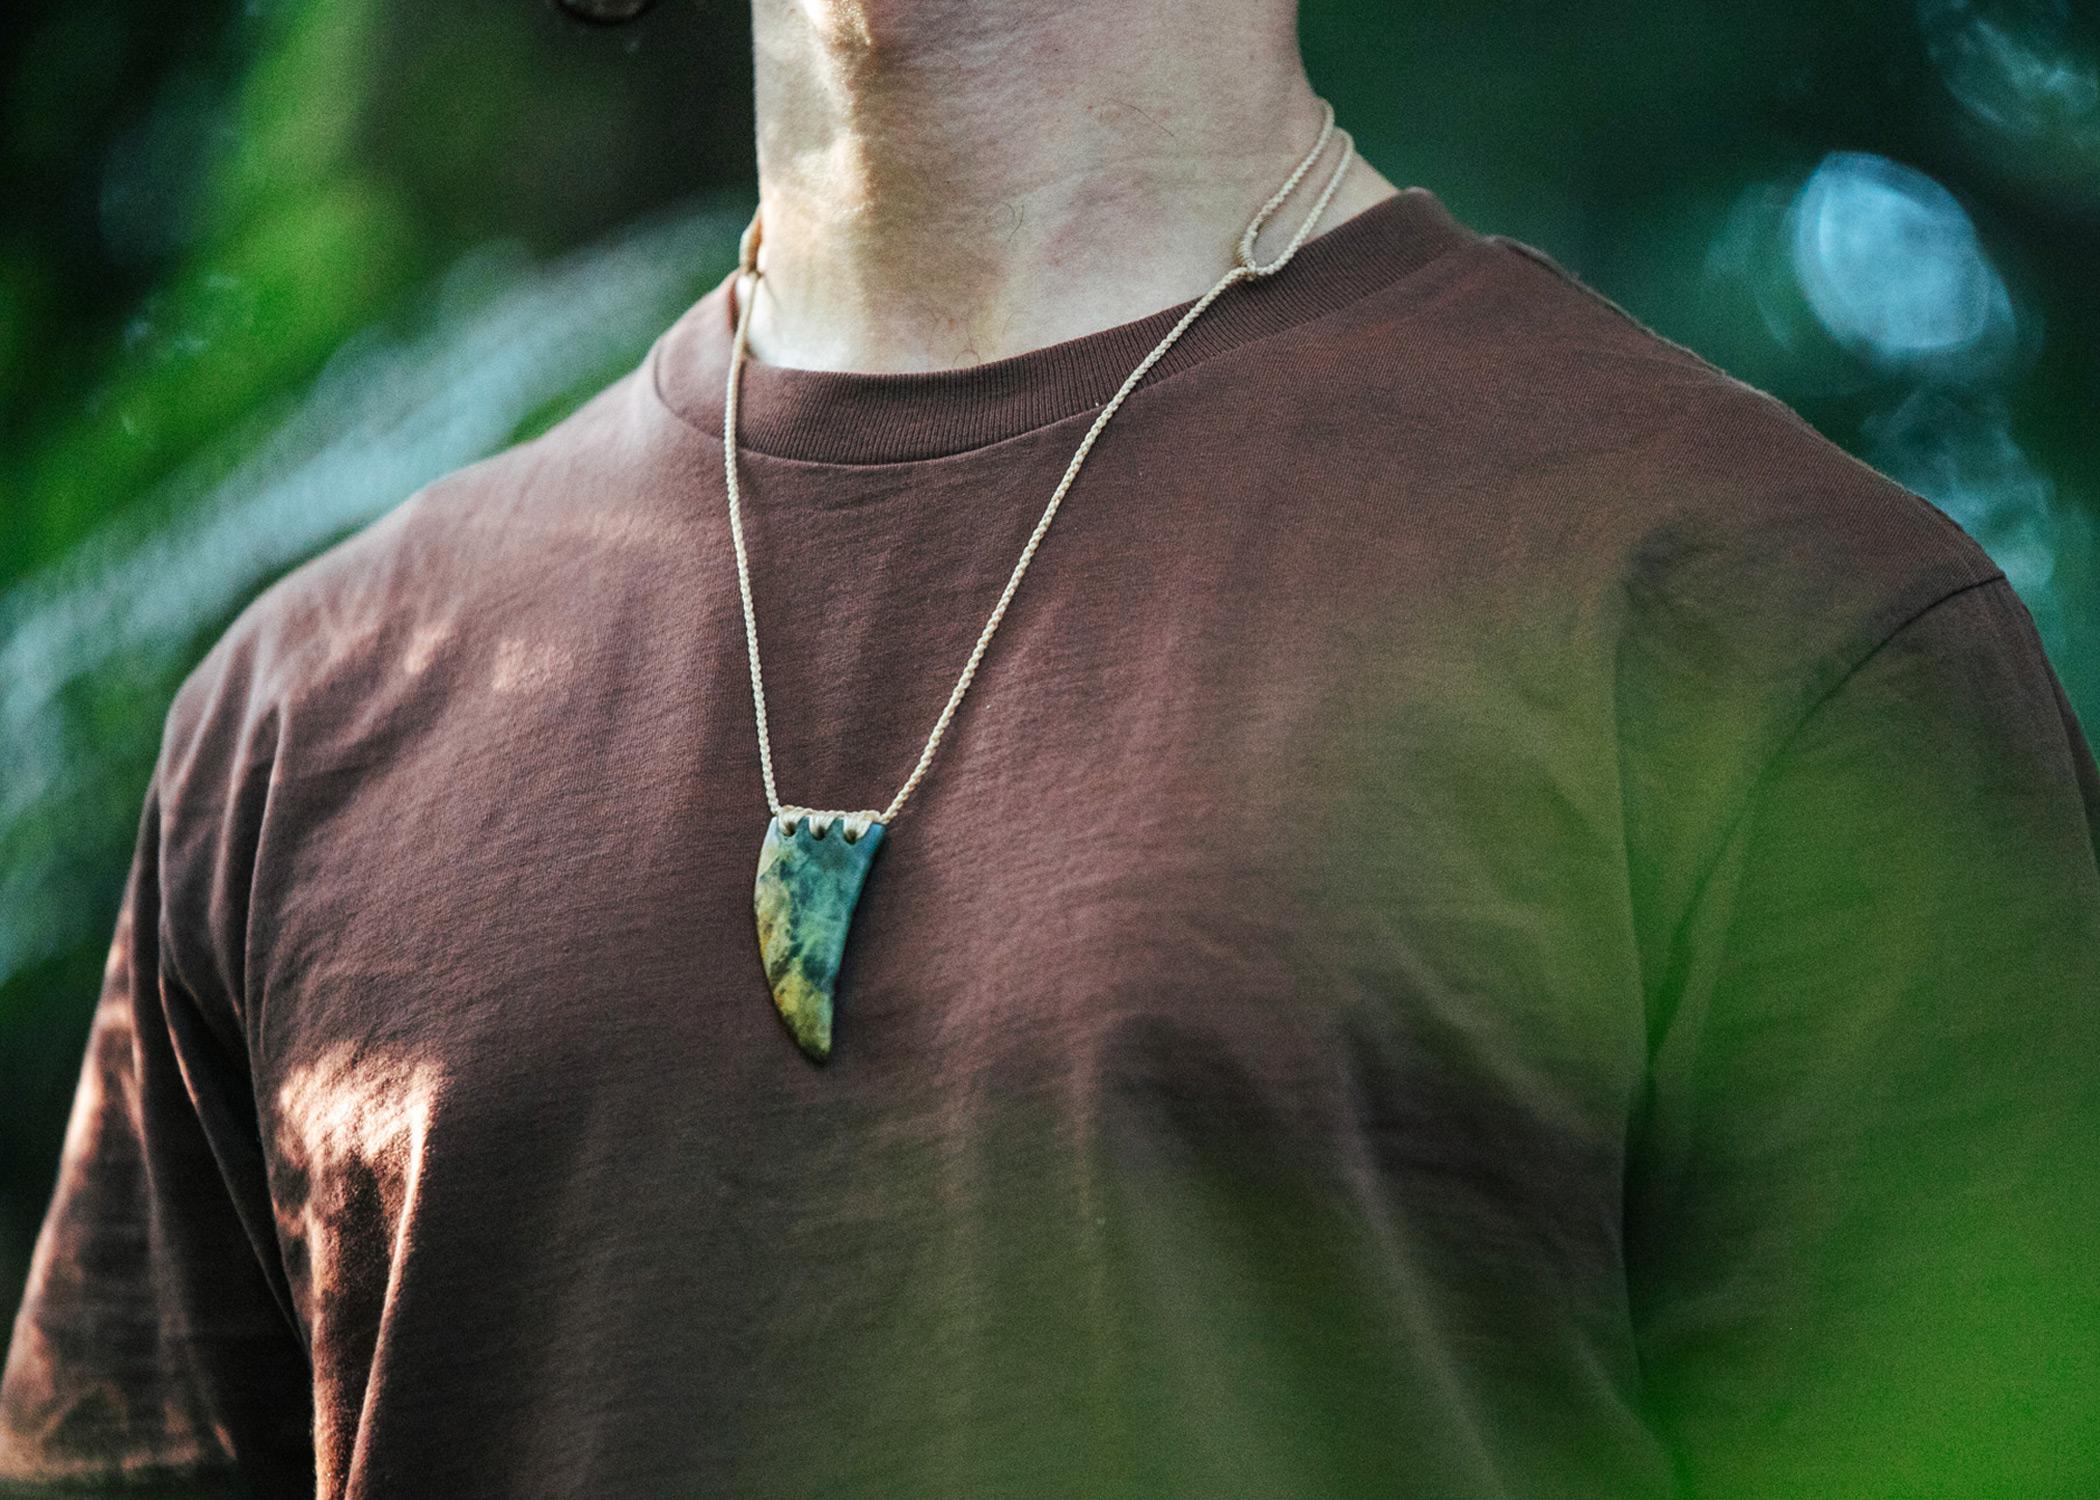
point(809, 881)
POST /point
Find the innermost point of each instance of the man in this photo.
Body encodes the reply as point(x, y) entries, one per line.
point(1500, 918)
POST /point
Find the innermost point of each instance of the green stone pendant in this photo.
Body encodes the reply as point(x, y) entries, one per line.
point(808, 885)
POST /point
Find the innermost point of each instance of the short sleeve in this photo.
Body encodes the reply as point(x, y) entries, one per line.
point(1863, 1214)
point(150, 1353)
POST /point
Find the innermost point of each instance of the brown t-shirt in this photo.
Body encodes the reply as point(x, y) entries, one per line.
point(1501, 919)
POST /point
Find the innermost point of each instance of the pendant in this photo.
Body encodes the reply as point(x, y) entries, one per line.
point(808, 884)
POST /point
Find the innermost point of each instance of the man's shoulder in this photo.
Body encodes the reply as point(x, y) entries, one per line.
point(461, 552)
point(1558, 433)
point(1682, 540)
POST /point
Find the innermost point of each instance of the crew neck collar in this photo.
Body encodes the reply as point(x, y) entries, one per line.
point(854, 417)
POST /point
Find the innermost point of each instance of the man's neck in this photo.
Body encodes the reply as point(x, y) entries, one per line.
point(945, 182)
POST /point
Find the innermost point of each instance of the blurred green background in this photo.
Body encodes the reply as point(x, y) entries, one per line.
point(267, 268)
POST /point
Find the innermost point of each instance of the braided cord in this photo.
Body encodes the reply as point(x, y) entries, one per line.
point(1245, 268)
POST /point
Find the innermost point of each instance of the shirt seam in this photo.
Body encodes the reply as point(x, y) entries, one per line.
point(1754, 791)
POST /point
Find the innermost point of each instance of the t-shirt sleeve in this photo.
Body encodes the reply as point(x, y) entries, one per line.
point(1863, 1210)
point(151, 1352)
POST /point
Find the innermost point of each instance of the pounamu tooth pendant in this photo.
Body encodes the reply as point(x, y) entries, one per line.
point(809, 880)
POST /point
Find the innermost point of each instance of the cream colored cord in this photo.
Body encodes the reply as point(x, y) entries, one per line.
point(1245, 268)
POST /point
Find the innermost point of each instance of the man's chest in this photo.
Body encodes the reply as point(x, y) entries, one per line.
point(1187, 889)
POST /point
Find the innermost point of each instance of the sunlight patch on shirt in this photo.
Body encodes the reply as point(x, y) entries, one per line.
point(529, 666)
point(350, 1131)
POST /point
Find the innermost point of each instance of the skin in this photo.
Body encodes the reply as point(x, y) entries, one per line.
point(945, 182)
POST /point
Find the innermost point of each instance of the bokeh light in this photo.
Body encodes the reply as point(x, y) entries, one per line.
point(1958, 452)
point(1891, 265)
point(2019, 68)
